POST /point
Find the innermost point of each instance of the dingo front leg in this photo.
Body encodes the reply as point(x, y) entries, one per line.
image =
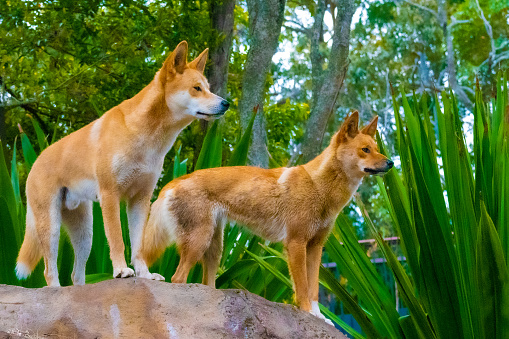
point(110, 205)
point(297, 265)
point(314, 259)
point(137, 213)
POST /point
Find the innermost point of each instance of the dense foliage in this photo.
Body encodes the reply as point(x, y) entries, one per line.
point(457, 278)
point(65, 63)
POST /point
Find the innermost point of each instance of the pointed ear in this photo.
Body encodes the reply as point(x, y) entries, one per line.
point(200, 62)
point(370, 128)
point(177, 60)
point(349, 129)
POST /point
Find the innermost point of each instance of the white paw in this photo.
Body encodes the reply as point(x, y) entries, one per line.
point(315, 310)
point(123, 272)
point(321, 316)
point(318, 314)
point(151, 276)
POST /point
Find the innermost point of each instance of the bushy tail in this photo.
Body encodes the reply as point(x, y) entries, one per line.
point(159, 232)
point(30, 252)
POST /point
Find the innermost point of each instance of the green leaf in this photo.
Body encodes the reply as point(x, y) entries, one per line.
point(342, 324)
point(239, 156)
point(263, 263)
point(330, 282)
point(492, 280)
point(211, 151)
point(15, 176)
point(99, 260)
point(408, 327)
point(240, 268)
point(41, 138)
point(54, 136)
point(179, 167)
point(9, 197)
point(65, 259)
point(97, 277)
point(8, 245)
point(168, 263)
point(343, 248)
point(28, 151)
point(419, 318)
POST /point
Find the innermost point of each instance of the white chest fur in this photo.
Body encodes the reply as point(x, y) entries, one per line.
point(127, 168)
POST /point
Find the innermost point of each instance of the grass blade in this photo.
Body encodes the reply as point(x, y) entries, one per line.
point(492, 280)
point(406, 289)
point(41, 138)
point(28, 150)
point(239, 155)
point(211, 151)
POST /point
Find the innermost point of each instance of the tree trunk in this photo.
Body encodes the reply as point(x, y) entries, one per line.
point(221, 19)
point(332, 81)
point(316, 57)
point(450, 59)
point(265, 20)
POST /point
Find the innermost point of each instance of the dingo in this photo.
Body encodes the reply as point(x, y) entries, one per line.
point(116, 157)
point(296, 205)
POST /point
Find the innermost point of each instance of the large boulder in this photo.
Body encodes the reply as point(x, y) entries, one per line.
point(141, 308)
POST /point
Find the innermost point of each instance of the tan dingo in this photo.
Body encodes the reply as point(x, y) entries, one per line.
point(296, 205)
point(117, 157)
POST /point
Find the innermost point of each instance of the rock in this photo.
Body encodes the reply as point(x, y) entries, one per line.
point(141, 308)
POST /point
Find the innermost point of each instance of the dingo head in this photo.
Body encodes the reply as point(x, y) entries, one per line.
point(186, 90)
point(358, 149)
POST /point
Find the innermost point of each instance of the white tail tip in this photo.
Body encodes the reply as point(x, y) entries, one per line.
point(22, 271)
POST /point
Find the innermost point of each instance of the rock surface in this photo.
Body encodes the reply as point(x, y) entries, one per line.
point(141, 308)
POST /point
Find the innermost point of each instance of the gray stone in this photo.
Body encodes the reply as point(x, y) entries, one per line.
point(141, 308)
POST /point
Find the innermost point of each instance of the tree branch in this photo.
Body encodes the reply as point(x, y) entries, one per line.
point(489, 30)
point(455, 22)
point(296, 29)
point(424, 8)
point(113, 75)
point(300, 25)
point(27, 106)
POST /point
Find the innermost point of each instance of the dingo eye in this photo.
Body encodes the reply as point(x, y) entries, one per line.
point(197, 88)
point(366, 150)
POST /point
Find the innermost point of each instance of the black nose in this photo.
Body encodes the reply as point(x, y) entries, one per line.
point(390, 163)
point(225, 104)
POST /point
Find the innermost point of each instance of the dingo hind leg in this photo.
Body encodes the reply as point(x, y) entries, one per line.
point(79, 223)
point(195, 238)
point(212, 256)
point(47, 219)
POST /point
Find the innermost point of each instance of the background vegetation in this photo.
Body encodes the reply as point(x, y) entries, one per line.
point(64, 63)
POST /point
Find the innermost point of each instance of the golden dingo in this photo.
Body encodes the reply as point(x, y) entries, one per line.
point(296, 205)
point(116, 157)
